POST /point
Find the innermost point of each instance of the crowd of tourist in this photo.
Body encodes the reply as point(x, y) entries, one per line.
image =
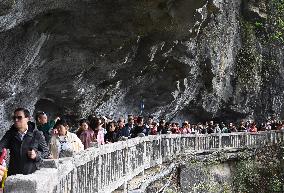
point(29, 143)
point(106, 130)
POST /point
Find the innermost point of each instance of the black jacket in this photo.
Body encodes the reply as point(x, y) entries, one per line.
point(111, 136)
point(19, 161)
point(136, 130)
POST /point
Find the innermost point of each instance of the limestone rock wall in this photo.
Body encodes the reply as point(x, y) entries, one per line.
point(179, 57)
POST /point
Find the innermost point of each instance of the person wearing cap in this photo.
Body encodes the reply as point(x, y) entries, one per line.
point(45, 126)
point(26, 144)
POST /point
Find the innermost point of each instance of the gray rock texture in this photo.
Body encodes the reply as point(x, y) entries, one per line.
point(185, 59)
point(199, 178)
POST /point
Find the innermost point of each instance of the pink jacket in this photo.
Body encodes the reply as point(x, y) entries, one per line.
point(87, 137)
point(101, 137)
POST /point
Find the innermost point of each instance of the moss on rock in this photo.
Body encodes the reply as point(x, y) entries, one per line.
point(247, 60)
point(276, 21)
point(249, 171)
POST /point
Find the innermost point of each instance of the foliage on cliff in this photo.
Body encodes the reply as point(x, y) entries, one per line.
point(276, 20)
point(246, 171)
point(262, 173)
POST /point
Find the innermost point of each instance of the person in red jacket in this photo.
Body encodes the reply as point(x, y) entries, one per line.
point(253, 127)
point(153, 128)
point(175, 128)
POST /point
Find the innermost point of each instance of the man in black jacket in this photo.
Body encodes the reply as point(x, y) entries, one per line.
point(26, 143)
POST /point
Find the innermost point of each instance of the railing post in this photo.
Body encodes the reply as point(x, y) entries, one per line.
point(145, 161)
point(196, 142)
point(99, 173)
point(127, 164)
point(182, 145)
point(160, 148)
point(247, 139)
point(266, 138)
point(220, 140)
point(179, 145)
point(124, 186)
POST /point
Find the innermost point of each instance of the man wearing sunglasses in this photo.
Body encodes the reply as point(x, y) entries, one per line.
point(26, 143)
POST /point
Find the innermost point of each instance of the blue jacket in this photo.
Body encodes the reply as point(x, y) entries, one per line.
point(126, 130)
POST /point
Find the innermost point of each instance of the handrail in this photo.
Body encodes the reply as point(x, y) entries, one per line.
point(107, 167)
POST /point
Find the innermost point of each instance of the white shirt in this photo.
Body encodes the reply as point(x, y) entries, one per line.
point(22, 135)
point(64, 145)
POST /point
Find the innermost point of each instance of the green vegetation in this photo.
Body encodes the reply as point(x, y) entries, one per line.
point(253, 67)
point(277, 21)
point(258, 24)
point(261, 174)
point(248, 58)
point(253, 176)
point(251, 171)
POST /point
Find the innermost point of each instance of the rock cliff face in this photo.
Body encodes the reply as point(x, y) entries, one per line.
point(257, 170)
point(184, 58)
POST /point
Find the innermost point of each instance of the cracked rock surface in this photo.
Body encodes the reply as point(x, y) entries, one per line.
point(178, 56)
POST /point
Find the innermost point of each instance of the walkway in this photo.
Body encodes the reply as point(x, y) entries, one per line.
point(110, 166)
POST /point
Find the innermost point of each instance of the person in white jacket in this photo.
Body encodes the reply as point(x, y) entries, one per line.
point(64, 143)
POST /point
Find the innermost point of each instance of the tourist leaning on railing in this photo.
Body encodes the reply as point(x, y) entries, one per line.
point(242, 127)
point(140, 128)
point(125, 130)
point(64, 143)
point(87, 136)
point(136, 127)
point(97, 125)
point(153, 128)
point(112, 134)
point(253, 127)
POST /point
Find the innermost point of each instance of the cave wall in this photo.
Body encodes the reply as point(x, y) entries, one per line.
point(184, 59)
